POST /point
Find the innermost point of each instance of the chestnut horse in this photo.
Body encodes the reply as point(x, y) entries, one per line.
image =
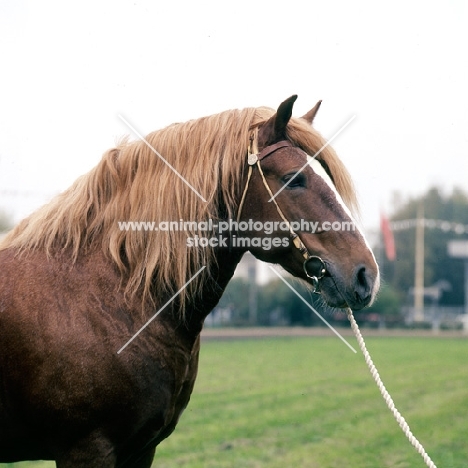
point(87, 377)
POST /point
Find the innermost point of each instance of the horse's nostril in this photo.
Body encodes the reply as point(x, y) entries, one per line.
point(361, 276)
point(363, 287)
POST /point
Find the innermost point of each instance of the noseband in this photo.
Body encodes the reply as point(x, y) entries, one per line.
point(314, 266)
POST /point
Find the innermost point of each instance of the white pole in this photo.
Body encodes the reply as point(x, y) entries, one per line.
point(419, 267)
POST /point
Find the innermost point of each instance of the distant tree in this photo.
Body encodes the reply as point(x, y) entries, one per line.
point(438, 266)
point(235, 297)
point(277, 304)
point(387, 303)
point(280, 303)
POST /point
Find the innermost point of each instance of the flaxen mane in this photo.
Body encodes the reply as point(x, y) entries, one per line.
point(131, 183)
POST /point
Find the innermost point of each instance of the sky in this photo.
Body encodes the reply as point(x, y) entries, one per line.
point(399, 69)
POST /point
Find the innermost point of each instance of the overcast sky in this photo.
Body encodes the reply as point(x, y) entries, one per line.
point(69, 68)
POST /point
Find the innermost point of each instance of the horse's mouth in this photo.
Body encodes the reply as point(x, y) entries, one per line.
point(336, 294)
point(331, 293)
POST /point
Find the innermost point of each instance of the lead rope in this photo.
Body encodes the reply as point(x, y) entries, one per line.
point(386, 396)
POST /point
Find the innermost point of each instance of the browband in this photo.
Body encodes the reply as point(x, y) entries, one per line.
point(272, 148)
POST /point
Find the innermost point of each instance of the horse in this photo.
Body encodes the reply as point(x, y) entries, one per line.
point(100, 323)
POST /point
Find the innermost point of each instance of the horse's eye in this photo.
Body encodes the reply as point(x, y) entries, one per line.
point(294, 180)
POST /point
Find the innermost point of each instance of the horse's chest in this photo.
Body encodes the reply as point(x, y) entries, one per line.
point(176, 391)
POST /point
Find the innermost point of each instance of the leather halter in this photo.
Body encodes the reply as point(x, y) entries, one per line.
point(311, 263)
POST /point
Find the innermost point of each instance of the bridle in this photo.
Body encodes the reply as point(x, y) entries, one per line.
point(314, 266)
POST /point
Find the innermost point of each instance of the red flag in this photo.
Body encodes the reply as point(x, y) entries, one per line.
point(389, 240)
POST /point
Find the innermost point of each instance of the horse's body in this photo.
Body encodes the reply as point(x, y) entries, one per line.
point(66, 394)
point(73, 291)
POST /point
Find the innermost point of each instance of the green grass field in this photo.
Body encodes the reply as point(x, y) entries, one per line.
point(311, 402)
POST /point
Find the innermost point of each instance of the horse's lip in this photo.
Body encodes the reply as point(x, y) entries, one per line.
point(334, 288)
point(332, 293)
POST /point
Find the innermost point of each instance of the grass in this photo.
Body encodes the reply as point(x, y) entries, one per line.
point(311, 402)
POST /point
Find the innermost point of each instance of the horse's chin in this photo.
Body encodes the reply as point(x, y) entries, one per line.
point(333, 294)
point(333, 303)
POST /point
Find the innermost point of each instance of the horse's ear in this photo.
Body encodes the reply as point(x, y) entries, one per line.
point(283, 115)
point(310, 116)
point(274, 129)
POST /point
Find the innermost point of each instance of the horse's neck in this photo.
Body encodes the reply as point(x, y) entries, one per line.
point(221, 272)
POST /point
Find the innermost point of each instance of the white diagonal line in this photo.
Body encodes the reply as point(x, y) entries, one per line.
point(312, 309)
point(312, 157)
point(161, 309)
point(159, 155)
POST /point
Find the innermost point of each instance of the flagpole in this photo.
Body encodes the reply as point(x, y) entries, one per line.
point(419, 267)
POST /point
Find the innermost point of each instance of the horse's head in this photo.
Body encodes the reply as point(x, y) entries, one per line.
point(291, 192)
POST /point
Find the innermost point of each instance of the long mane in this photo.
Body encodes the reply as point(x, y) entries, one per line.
point(132, 183)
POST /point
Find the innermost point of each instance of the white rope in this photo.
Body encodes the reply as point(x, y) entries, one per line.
point(241, 204)
point(386, 396)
